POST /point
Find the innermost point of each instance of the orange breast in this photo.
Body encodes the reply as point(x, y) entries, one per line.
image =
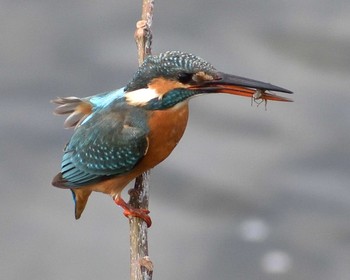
point(166, 130)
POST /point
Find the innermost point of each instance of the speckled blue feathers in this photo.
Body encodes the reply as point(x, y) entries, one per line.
point(110, 143)
point(168, 65)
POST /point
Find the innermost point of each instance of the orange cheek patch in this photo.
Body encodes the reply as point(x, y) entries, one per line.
point(163, 86)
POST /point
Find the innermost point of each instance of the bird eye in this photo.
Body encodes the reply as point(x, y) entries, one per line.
point(185, 78)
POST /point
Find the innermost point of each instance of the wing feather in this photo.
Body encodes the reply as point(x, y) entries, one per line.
point(110, 143)
point(77, 108)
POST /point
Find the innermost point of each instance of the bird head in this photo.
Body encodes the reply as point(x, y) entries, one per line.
point(166, 79)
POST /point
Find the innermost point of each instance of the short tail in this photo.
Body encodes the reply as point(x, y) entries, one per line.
point(80, 197)
point(78, 109)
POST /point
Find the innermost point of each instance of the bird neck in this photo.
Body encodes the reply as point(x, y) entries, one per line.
point(170, 99)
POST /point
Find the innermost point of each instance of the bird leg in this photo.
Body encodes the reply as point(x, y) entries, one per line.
point(130, 211)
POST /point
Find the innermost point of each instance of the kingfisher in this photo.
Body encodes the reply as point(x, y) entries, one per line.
point(120, 134)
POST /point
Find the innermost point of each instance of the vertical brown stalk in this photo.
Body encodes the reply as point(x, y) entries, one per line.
point(141, 267)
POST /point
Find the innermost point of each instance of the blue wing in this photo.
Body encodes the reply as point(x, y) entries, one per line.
point(109, 142)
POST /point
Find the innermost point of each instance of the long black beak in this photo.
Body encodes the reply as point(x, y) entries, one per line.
point(226, 83)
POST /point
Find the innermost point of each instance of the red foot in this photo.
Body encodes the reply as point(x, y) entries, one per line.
point(130, 211)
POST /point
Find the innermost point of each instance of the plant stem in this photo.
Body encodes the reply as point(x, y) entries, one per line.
point(141, 267)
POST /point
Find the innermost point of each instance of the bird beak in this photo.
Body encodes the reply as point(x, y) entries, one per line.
point(226, 83)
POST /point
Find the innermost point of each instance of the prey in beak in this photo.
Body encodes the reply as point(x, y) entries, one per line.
point(236, 85)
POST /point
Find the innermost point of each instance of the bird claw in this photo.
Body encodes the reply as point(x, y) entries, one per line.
point(139, 213)
point(130, 211)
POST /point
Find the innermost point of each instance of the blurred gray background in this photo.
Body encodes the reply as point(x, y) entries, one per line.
point(247, 194)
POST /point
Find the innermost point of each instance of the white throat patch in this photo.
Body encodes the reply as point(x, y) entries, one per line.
point(141, 96)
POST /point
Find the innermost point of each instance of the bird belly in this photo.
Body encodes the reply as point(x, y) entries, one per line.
point(166, 129)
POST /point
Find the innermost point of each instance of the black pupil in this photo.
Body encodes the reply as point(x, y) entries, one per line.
point(185, 78)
